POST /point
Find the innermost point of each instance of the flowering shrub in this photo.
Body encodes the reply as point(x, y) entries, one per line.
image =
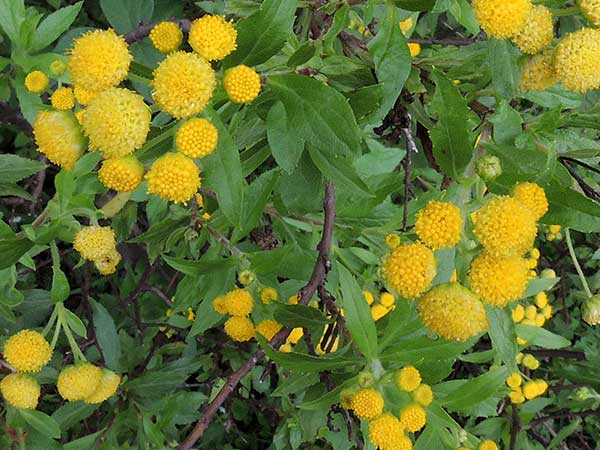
point(289, 224)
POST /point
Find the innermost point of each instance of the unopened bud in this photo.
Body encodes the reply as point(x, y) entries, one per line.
point(590, 312)
point(488, 167)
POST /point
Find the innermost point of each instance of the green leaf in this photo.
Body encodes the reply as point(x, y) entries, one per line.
point(14, 168)
point(339, 170)
point(538, 285)
point(14, 190)
point(195, 268)
point(258, 195)
point(476, 390)
point(223, 172)
point(357, 314)
point(541, 337)
point(12, 14)
point(451, 137)
point(72, 413)
point(84, 443)
point(392, 60)
point(41, 422)
point(126, 15)
point(60, 285)
point(53, 26)
point(264, 33)
point(572, 209)
point(106, 335)
point(74, 323)
point(423, 348)
point(320, 114)
point(415, 5)
point(503, 335)
point(286, 146)
point(505, 69)
point(292, 316)
point(507, 124)
point(12, 249)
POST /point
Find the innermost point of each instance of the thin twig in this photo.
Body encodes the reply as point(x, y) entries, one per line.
point(586, 188)
point(565, 413)
point(319, 273)
point(144, 30)
point(549, 353)
point(456, 42)
point(515, 427)
point(411, 148)
point(166, 300)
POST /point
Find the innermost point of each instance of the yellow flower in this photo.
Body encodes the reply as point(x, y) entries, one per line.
point(541, 299)
point(540, 320)
point(453, 312)
point(99, 60)
point(117, 122)
point(268, 328)
point(220, 304)
point(213, 37)
point(20, 390)
point(498, 280)
point(367, 404)
point(58, 67)
point(538, 73)
point(413, 417)
point(487, 445)
point(408, 379)
point(387, 299)
point(79, 116)
point(191, 316)
point(538, 32)
point(36, 81)
point(423, 395)
point(268, 294)
point(121, 174)
point(27, 351)
point(414, 48)
point(406, 25)
point(514, 380)
point(547, 311)
point(246, 277)
point(516, 396)
point(196, 138)
point(174, 177)
point(392, 240)
point(295, 335)
point(293, 299)
point(531, 390)
point(591, 10)
point(239, 329)
point(62, 99)
point(530, 362)
point(504, 227)
point(78, 381)
point(94, 242)
point(502, 19)
point(518, 313)
point(183, 84)
point(439, 225)
point(285, 348)
point(530, 312)
point(385, 431)
point(239, 302)
point(58, 136)
point(378, 311)
point(166, 37)
point(108, 264)
point(106, 388)
point(554, 229)
point(542, 386)
point(83, 95)
point(241, 83)
point(368, 296)
point(533, 197)
point(535, 253)
point(409, 269)
point(577, 60)
point(346, 398)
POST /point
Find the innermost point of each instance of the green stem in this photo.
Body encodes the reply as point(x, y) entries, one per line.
point(51, 321)
point(77, 353)
point(56, 334)
point(586, 288)
point(565, 11)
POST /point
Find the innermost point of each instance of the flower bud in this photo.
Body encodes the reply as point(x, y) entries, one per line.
point(488, 167)
point(590, 312)
point(246, 277)
point(366, 379)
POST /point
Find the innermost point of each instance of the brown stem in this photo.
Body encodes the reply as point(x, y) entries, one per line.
point(144, 30)
point(411, 148)
point(566, 413)
point(547, 353)
point(457, 42)
point(515, 427)
point(318, 276)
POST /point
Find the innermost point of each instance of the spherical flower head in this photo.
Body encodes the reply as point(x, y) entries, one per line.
point(502, 19)
point(197, 138)
point(504, 226)
point(514, 380)
point(117, 122)
point(242, 84)
point(58, 67)
point(367, 404)
point(99, 60)
point(518, 314)
point(239, 302)
point(392, 240)
point(385, 430)
point(540, 320)
point(83, 95)
point(498, 280)
point(268, 328)
point(406, 25)
point(239, 329)
point(530, 362)
point(530, 312)
point(590, 312)
point(530, 390)
point(346, 398)
point(538, 72)
point(439, 225)
point(20, 390)
point(121, 174)
point(213, 37)
point(409, 269)
point(36, 82)
point(538, 32)
point(533, 197)
point(63, 99)
point(591, 10)
point(423, 395)
point(408, 378)
point(183, 84)
point(106, 388)
point(402, 443)
point(246, 277)
point(516, 396)
point(268, 295)
point(378, 311)
point(27, 351)
point(487, 445)
point(541, 299)
point(79, 116)
point(414, 48)
point(542, 386)
point(453, 311)
point(413, 417)
point(488, 167)
point(58, 136)
point(220, 304)
point(166, 37)
point(387, 299)
point(108, 264)
point(95, 242)
point(78, 381)
point(369, 297)
point(577, 60)
point(174, 177)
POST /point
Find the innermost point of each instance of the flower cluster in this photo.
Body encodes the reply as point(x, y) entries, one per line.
point(522, 391)
point(238, 303)
point(382, 307)
point(96, 243)
point(86, 382)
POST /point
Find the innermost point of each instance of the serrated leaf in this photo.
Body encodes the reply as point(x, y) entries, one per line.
point(14, 168)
